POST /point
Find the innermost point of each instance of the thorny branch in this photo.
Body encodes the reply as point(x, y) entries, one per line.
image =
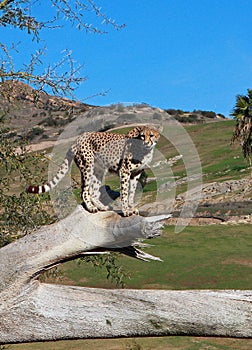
point(52, 77)
point(60, 78)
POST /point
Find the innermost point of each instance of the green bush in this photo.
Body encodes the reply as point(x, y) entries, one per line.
point(208, 114)
point(20, 212)
point(191, 118)
point(34, 132)
point(174, 112)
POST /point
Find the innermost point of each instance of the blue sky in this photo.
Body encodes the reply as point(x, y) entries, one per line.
point(181, 54)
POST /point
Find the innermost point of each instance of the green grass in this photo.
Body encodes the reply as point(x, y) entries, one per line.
point(219, 159)
point(202, 257)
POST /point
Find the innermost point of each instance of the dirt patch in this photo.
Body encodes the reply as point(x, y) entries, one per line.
point(83, 280)
point(194, 221)
point(201, 221)
point(243, 262)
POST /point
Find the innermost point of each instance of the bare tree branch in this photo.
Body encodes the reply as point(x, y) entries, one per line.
point(4, 3)
point(17, 14)
point(75, 13)
point(59, 83)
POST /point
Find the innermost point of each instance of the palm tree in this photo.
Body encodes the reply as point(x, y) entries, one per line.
point(242, 113)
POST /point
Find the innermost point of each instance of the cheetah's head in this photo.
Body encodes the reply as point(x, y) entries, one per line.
point(148, 135)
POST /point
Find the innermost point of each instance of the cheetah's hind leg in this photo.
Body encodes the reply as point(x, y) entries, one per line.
point(95, 193)
point(86, 179)
point(125, 186)
point(134, 178)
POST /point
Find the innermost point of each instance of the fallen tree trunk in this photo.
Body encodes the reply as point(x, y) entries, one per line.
point(51, 312)
point(34, 311)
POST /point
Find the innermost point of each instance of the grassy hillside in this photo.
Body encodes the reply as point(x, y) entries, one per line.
point(219, 160)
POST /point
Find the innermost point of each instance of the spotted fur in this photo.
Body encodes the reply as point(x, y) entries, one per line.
point(95, 153)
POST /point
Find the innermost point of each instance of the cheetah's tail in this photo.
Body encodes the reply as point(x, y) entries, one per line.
point(56, 179)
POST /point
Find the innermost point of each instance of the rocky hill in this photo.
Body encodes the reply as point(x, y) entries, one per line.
point(35, 114)
point(38, 116)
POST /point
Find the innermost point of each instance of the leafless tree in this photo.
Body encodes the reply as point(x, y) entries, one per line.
point(64, 76)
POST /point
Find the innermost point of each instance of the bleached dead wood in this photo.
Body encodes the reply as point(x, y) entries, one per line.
point(33, 311)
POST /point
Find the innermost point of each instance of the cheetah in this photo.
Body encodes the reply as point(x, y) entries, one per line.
point(95, 153)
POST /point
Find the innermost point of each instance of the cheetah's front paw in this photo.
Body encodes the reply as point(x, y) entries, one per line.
point(97, 204)
point(131, 211)
point(91, 208)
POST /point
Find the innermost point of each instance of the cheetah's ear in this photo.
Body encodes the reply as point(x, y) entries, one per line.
point(158, 128)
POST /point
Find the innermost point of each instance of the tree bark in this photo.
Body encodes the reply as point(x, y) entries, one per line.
point(34, 311)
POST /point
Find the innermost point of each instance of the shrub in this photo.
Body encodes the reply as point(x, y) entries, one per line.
point(208, 114)
point(174, 112)
point(20, 212)
point(35, 131)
